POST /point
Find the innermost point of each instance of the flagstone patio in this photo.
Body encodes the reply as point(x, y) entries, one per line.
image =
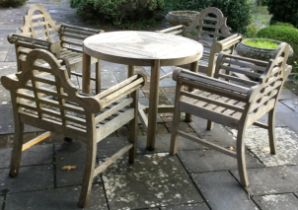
point(196, 178)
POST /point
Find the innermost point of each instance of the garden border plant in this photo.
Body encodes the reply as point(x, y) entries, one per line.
point(11, 3)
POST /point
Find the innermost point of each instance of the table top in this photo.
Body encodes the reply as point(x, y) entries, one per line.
point(143, 48)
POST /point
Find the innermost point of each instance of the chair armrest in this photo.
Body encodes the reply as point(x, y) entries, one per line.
point(178, 29)
point(228, 42)
point(119, 91)
point(198, 81)
point(33, 43)
point(10, 81)
point(28, 41)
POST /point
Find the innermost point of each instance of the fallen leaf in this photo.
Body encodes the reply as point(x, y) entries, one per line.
point(69, 167)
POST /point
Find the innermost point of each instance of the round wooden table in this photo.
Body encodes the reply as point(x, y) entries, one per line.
point(140, 48)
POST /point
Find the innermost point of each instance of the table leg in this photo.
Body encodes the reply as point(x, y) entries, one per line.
point(153, 105)
point(193, 68)
point(97, 77)
point(86, 73)
point(130, 71)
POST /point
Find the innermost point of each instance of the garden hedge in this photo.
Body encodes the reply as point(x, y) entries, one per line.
point(117, 11)
point(11, 3)
point(284, 11)
point(237, 11)
point(282, 32)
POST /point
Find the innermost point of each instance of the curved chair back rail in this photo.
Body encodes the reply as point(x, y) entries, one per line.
point(43, 96)
point(40, 31)
point(214, 34)
point(234, 101)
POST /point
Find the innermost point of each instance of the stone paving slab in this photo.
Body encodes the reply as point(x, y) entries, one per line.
point(29, 179)
point(271, 180)
point(289, 120)
point(218, 134)
point(55, 199)
point(210, 160)
point(37, 155)
point(152, 181)
point(277, 202)
point(196, 206)
point(7, 122)
point(1, 201)
point(257, 141)
point(222, 191)
point(163, 143)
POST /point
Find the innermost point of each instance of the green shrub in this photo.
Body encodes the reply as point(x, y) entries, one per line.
point(117, 11)
point(11, 3)
point(237, 11)
point(284, 11)
point(282, 32)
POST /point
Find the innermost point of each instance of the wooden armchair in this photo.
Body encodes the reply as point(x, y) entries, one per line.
point(40, 31)
point(214, 34)
point(234, 101)
point(43, 96)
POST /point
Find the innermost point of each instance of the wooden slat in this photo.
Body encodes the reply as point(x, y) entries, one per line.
point(114, 109)
point(103, 166)
point(206, 143)
point(209, 99)
point(237, 79)
point(116, 87)
point(128, 89)
point(36, 140)
point(115, 123)
point(244, 71)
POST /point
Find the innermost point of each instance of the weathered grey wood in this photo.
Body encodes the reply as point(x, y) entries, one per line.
point(234, 103)
point(214, 34)
point(139, 48)
point(43, 96)
point(40, 31)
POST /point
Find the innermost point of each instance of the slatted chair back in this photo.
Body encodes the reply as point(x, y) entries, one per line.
point(39, 24)
point(265, 96)
point(212, 25)
point(240, 70)
point(46, 96)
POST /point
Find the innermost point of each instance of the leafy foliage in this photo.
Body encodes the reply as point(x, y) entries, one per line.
point(11, 3)
point(237, 11)
point(284, 11)
point(282, 32)
point(117, 11)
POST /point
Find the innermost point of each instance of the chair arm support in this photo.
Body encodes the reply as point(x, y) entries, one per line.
point(198, 81)
point(120, 90)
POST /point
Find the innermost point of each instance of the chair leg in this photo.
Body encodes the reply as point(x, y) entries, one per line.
point(175, 125)
point(17, 150)
point(132, 138)
point(241, 159)
point(209, 125)
point(88, 175)
point(271, 131)
point(97, 77)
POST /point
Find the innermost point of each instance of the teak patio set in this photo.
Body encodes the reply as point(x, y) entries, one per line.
point(212, 82)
